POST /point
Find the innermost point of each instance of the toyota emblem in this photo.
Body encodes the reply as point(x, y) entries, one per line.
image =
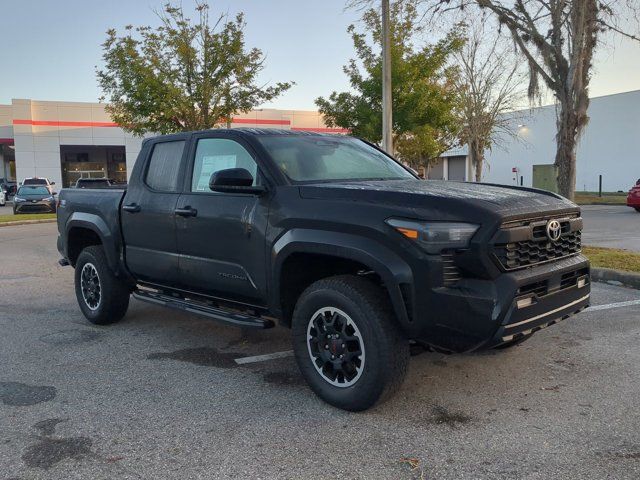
point(554, 230)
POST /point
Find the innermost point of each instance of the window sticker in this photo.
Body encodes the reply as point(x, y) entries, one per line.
point(211, 164)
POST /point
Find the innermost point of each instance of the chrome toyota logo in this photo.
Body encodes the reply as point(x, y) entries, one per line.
point(554, 230)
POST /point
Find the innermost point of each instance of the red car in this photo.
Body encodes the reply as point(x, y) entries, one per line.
point(633, 200)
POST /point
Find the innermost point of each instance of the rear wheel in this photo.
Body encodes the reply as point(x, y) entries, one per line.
point(637, 209)
point(103, 297)
point(347, 343)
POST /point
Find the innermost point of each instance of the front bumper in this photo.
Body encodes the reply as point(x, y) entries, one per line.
point(485, 313)
point(35, 207)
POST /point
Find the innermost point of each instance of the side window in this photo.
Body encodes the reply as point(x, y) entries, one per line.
point(164, 166)
point(215, 154)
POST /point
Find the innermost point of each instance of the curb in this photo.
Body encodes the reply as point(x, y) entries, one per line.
point(616, 277)
point(27, 222)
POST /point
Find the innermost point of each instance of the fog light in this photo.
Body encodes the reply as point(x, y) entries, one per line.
point(582, 282)
point(524, 302)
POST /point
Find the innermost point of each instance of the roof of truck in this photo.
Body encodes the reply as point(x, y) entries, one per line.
point(246, 131)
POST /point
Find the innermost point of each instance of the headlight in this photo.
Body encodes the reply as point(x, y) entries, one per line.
point(434, 237)
point(50, 199)
point(18, 200)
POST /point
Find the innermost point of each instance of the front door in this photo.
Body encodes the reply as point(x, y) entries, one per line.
point(148, 216)
point(221, 235)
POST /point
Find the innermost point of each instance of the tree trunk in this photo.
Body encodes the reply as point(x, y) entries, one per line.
point(566, 141)
point(476, 155)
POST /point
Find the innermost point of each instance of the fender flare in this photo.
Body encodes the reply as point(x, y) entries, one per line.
point(392, 269)
point(89, 221)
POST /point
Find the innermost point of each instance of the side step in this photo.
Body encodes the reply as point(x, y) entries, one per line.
point(219, 314)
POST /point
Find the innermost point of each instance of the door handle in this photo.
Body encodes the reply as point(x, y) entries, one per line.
point(132, 208)
point(186, 212)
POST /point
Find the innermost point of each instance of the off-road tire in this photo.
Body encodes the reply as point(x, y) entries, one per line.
point(113, 292)
point(386, 348)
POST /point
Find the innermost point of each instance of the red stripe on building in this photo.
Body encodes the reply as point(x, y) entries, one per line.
point(243, 121)
point(261, 121)
point(55, 123)
point(6, 141)
point(320, 130)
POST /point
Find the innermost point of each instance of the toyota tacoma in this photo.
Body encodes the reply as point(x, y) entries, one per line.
point(333, 238)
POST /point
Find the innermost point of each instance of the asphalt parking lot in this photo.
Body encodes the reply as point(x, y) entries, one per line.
point(613, 226)
point(160, 395)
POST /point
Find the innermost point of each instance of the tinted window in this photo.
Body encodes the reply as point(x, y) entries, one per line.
point(164, 166)
point(34, 181)
point(323, 158)
point(215, 154)
point(34, 191)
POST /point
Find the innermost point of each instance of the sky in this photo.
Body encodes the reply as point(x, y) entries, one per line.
point(50, 49)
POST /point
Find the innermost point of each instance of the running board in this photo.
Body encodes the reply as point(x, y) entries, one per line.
point(219, 314)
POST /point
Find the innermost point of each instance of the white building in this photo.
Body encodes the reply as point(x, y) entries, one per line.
point(609, 146)
point(64, 141)
point(68, 140)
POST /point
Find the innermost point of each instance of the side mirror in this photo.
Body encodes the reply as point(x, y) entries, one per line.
point(52, 183)
point(234, 180)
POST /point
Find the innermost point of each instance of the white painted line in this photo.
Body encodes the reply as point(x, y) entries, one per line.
point(264, 358)
point(609, 306)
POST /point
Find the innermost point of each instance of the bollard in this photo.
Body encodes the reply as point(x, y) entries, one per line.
point(600, 185)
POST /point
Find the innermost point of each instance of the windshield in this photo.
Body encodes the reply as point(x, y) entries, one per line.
point(35, 181)
point(33, 191)
point(322, 158)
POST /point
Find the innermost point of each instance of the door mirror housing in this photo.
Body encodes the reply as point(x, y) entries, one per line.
point(234, 180)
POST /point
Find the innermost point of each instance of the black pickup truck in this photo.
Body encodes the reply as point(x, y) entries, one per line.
point(333, 238)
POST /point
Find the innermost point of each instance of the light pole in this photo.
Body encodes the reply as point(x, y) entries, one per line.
point(387, 128)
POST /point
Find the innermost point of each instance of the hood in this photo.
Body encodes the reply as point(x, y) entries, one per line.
point(505, 200)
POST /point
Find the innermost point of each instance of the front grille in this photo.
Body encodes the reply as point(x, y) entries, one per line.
point(525, 244)
point(450, 272)
point(540, 289)
point(33, 208)
point(570, 279)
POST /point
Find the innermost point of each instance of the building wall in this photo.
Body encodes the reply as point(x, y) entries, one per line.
point(608, 147)
point(39, 128)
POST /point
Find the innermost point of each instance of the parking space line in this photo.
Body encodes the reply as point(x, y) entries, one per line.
point(613, 305)
point(264, 358)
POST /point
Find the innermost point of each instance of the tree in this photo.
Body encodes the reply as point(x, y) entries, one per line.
point(424, 120)
point(182, 75)
point(558, 39)
point(488, 87)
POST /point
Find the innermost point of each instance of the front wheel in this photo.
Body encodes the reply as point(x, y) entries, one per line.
point(103, 297)
point(347, 342)
point(637, 209)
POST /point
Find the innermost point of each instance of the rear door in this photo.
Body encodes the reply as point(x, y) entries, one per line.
point(221, 242)
point(148, 214)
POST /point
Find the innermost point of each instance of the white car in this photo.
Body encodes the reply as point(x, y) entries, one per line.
point(3, 199)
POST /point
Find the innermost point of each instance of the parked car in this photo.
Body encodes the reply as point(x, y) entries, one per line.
point(3, 198)
point(8, 187)
point(95, 183)
point(34, 199)
point(633, 199)
point(37, 181)
point(333, 238)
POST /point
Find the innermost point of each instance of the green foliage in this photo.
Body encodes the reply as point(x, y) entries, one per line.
point(182, 75)
point(424, 100)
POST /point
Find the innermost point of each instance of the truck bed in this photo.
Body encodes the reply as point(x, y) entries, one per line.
point(97, 207)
